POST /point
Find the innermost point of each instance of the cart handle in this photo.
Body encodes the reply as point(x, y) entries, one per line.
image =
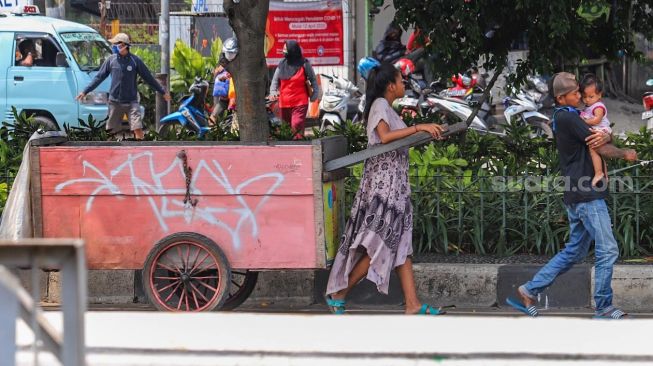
point(412, 140)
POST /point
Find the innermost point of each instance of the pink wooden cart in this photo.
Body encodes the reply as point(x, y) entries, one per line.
point(198, 218)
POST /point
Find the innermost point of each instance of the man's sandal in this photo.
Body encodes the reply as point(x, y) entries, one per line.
point(612, 313)
point(336, 306)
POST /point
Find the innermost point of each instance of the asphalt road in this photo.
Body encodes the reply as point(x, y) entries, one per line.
point(237, 338)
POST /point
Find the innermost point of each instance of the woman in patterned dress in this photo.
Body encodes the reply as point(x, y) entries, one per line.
point(378, 235)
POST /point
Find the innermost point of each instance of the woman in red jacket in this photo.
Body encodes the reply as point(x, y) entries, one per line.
point(292, 82)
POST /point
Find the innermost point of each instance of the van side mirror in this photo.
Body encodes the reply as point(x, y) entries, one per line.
point(61, 61)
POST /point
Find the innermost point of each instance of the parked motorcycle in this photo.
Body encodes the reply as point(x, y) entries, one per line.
point(412, 103)
point(647, 100)
point(465, 94)
point(525, 109)
point(525, 105)
point(191, 114)
point(463, 86)
point(537, 89)
point(337, 104)
point(463, 109)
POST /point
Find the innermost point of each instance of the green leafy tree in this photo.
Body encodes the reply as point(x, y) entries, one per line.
point(188, 64)
point(468, 31)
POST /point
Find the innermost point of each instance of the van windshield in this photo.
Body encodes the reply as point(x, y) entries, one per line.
point(89, 49)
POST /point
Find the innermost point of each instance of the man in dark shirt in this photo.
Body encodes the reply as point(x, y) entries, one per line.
point(586, 206)
point(124, 67)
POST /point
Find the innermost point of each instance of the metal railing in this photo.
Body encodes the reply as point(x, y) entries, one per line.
point(506, 215)
point(15, 302)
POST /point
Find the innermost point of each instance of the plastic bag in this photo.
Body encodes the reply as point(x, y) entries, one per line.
point(17, 215)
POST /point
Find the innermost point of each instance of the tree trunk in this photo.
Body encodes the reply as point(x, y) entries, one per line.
point(249, 72)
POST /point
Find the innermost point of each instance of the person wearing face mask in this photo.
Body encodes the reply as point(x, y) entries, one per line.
point(124, 68)
point(294, 83)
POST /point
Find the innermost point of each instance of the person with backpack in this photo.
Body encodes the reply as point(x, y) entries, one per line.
point(294, 83)
point(220, 92)
point(124, 67)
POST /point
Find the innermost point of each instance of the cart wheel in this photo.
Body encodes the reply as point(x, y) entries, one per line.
point(243, 283)
point(186, 272)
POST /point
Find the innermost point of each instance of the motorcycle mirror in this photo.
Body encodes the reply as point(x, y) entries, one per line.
point(649, 82)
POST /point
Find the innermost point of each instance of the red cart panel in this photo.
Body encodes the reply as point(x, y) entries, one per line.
point(256, 202)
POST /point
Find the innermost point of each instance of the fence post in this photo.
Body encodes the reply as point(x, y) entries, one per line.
point(481, 194)
point(637, 209)
point(8, 316)
point(460, 212)
point(73, 273)
point(525, 211)
point(161, 106)
point(437, 210)
point(504, 233)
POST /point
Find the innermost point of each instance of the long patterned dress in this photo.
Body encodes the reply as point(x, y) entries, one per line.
point(381, 221)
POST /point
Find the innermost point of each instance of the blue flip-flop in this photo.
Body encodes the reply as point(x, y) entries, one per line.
point(427, 309)
point(517, 305)
point(336, 306)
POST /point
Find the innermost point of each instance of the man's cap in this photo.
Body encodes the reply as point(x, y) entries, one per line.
point(563, 83)
point(120, 38)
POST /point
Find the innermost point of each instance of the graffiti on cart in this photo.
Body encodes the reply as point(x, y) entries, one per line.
point(165, 208)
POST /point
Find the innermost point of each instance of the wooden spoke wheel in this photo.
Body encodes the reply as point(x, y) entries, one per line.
point(243, 283)
point(186, 272)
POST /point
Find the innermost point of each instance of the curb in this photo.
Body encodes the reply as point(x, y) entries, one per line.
point(465, 285)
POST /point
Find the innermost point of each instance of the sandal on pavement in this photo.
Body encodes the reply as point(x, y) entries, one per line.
point(336, 306)
point(517, 305)
point(429, 310)
point(612, 313)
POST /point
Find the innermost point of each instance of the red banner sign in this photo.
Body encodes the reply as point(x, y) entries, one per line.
point(317, 26)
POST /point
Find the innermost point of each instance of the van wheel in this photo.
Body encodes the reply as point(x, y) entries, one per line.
point(46, 123)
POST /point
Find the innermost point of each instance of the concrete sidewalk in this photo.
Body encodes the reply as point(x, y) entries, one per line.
point(465, 285)
point(150, 338)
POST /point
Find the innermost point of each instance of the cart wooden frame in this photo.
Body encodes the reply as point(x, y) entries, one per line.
point(199, 235)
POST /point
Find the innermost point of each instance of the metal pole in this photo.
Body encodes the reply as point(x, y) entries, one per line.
point(369, 28)
point(103, 17)
point(162, 107)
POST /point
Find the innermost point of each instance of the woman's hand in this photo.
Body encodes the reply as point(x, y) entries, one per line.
point(434, 129)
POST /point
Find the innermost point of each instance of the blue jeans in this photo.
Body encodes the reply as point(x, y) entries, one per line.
point(587, 221)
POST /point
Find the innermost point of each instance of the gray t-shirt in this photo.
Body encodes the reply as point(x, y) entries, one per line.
point(381, 110)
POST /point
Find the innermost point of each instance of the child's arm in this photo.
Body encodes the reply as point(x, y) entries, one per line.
point(596, 119)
